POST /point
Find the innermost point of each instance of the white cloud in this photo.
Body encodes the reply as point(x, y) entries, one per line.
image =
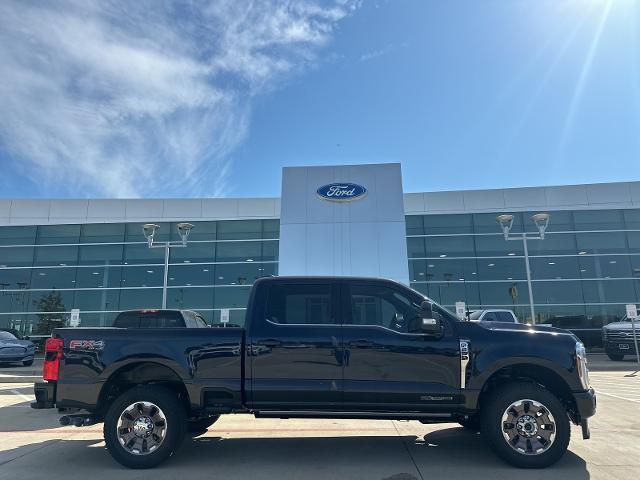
point(144, 98)
point(376, 53)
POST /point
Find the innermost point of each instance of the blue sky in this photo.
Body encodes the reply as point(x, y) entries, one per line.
point(133, 99)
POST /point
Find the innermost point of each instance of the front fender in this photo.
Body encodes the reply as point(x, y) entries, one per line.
point(483, 371)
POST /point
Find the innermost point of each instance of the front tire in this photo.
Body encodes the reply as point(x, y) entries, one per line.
point(28, 363)
point(526, 425)
point(144, 426)
point(616, 357)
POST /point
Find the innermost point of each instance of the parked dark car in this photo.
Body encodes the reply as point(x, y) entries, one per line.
point(14, 350)
point(617, 339)
point(323, 347)
point(159, 319)
point(15, 333)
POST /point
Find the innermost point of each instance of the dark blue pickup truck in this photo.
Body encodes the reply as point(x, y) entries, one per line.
point(320, 347)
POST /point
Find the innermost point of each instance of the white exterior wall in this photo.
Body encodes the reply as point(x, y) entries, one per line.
point(63, 211)
point(568, 197)
point(362, 237)
point(51, 212)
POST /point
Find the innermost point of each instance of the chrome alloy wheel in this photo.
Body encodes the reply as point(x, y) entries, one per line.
point(141, 428)
point(528, 427)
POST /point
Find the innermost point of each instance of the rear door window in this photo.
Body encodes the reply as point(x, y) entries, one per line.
point(300, 304)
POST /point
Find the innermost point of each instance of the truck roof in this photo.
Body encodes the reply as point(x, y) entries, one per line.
point(303, 278)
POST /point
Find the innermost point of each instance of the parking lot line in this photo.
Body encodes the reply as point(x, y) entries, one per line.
point(600, 392)
point(22, 396)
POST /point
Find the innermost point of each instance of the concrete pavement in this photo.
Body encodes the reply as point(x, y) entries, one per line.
point(34, 446)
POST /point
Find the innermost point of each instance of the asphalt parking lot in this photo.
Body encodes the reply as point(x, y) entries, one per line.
point(33, 445)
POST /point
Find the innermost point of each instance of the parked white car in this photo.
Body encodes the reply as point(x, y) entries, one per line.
point(493, 315)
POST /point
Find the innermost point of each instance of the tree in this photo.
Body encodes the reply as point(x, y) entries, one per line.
point(49, 305)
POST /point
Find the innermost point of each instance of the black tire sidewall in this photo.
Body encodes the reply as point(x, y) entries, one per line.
point(491, 424)
point(175, 415)
point(28, 363)
point(615, 357)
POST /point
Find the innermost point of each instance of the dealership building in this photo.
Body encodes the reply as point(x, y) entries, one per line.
point(59, 256)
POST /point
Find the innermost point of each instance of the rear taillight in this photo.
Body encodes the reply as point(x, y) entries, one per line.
point(52, 357)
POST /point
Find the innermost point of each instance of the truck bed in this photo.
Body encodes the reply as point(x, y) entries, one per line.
point(208, 361)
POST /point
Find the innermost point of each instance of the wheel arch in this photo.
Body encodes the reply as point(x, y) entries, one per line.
point(141, 373)
point(534, 373)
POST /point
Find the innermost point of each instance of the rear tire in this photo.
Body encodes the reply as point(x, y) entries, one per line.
point(616, 357)
point(526, 425)
point(144, 426)
point(201, 424)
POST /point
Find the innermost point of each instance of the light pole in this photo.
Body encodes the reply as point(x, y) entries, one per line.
point(541, 220)
point(149, 230)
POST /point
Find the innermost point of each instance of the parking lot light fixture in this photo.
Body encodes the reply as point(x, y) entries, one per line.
point(542, 221)
point(184, 229)
point(149, 230)
point(506, 222)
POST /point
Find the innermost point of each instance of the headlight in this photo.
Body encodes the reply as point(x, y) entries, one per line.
point(581, 365)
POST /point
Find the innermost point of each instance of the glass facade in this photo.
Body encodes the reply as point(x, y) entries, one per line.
point(101, 269)
point(582, 274)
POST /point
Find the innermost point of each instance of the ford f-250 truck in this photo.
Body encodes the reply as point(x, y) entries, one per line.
point(317, 347)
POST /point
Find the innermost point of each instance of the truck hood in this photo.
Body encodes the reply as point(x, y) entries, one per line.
point(522, 327)
point(15, 343)
point(622, 326)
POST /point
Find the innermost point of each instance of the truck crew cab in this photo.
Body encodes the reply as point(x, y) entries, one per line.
point(323, 347)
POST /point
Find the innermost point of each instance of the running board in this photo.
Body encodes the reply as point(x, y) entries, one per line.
point(352, 415)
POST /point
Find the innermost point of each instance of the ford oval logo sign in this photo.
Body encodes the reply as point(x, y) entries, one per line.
point(341, 192)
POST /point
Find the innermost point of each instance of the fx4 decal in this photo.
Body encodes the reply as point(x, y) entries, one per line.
point(86, 345)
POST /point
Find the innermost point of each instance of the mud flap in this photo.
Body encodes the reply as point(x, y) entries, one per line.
point(586, 433)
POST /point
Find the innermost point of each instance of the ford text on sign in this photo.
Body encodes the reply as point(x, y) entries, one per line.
point(341, 192)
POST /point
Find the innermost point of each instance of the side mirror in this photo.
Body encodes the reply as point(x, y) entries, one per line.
point(426, 322)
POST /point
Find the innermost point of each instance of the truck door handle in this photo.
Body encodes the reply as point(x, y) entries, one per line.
point(271, 342)
point(361, 344)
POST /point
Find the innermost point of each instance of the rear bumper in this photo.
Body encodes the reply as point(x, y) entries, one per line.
point(45, 393)
point(585, 403)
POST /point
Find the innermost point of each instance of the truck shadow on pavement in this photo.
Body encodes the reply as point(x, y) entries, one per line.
point(29, 420)
point(18, 416)
point(449, 453)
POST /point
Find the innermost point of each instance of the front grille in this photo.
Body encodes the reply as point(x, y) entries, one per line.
point(620, 335)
